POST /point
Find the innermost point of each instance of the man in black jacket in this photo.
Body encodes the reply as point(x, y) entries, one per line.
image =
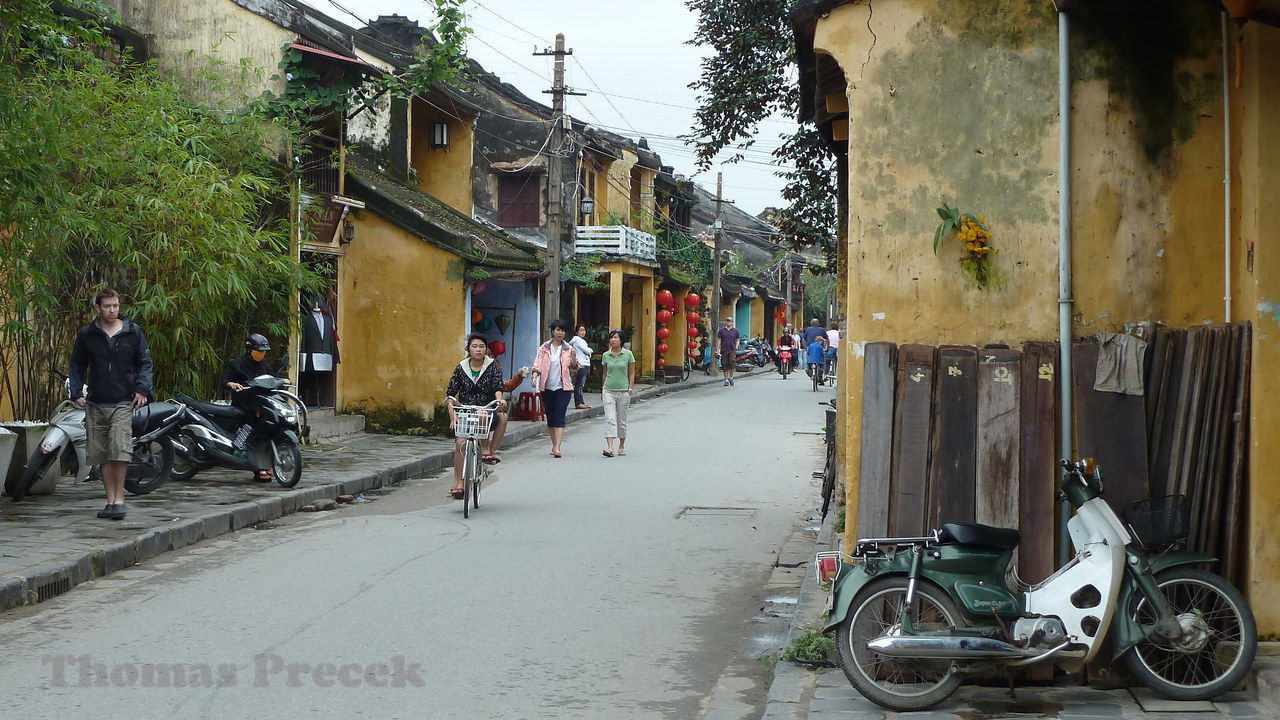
point(111, 355)
point(240, 370)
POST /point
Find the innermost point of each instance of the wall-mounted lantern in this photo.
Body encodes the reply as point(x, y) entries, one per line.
point(587, 206)
point(439, 136)
point(348, 233)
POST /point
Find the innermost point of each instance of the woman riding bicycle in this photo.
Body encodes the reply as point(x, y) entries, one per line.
point(477, 380)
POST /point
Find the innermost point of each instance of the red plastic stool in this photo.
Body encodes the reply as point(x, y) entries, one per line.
point(529, 407)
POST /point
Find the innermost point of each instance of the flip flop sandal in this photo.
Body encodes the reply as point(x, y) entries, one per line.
point(490, 459)
point(606, 453)
point(456, 494)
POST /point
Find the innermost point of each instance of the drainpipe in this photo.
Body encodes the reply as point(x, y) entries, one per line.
point(1226, 176)
point(1065, 302)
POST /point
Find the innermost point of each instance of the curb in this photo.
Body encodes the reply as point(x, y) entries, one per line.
point(44, 582)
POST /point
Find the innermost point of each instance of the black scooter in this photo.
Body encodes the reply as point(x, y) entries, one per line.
point(210, 431)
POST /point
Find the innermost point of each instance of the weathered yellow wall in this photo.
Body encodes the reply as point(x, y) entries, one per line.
point(183, 33)
point(444, 174)
point(957, 106)
point(1256, 138)
point(616, 191)
point(401, 317)
point(757, 317)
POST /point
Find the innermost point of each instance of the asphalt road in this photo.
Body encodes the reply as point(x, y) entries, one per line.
point(583, 587)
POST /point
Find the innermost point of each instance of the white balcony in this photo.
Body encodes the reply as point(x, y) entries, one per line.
point(617, 240)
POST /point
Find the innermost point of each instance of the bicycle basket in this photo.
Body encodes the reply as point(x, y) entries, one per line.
point(472, 423)
point(1158, 521)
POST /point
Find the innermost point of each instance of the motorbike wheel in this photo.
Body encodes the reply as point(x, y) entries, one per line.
point(37, 467)
point(901, 684)
point(150, 467)
point(287, 465)
point(1218, 645)
point(183, 469)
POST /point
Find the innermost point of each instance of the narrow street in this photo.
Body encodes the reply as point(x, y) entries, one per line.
point(583, 587)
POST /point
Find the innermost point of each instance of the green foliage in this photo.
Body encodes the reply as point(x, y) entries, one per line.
point(400, 420)
point(585, 269)
point(838, 526)
point(743, 82)
point(109, 177)
point(810, 648)
point(688, 259)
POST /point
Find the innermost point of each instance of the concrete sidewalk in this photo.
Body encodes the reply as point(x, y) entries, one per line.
point(802, 692)
point(51, 543)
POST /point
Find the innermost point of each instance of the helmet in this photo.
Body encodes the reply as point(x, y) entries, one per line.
point(257, 342)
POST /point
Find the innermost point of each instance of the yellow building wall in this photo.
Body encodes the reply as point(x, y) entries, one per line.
point(945, 110)
point(401, 316)
point(443, 173)
point(616, 192)
point(757, 317)
point(183, 33)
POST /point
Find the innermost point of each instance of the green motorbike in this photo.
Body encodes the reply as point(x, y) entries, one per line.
point(914, 615)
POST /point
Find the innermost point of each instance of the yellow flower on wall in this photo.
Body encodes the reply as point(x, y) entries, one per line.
point(973, 232)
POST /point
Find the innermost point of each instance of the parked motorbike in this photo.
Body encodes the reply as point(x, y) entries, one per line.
point(914, 615)
point(209, 433)
point(753, 352)
point(61, 451)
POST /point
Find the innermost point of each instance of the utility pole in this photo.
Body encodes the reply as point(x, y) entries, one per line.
point(718, 225)
point(555, 178)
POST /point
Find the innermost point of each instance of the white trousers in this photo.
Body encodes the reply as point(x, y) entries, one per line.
point(615, 413)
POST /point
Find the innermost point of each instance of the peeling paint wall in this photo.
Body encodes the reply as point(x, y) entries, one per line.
point(443, 173)
point(402, 318)
point(182, 35)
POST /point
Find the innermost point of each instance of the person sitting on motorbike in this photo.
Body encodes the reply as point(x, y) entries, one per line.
point(240, 370)
point(477, 380)
point(784, 344)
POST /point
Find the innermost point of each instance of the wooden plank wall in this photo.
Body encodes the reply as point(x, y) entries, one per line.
point(955, 433)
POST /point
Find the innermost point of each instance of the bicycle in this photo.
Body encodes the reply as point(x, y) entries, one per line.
point(828, 472)
point(815, 372)
point(473, 424)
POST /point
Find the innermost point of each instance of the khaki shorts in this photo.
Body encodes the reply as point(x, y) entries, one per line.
point(109, 433)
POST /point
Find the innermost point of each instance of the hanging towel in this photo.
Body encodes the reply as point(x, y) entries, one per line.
point(1120, 363)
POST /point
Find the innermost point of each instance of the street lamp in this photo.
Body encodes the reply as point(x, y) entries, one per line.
point(586, 206)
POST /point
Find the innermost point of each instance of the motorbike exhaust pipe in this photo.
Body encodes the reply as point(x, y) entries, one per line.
point(947, 648)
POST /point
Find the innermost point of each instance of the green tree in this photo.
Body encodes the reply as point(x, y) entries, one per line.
point(109, 177)
point(745, 81)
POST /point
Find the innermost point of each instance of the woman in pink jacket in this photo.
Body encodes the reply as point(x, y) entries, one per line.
point(553, 370)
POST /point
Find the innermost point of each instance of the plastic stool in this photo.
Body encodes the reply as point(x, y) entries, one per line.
point(529, 407)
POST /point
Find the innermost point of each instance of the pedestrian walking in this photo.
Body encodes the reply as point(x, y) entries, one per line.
point(110, 355)
point(619, 385)
point(553, 370)
point(477, 380)
point(728, 337)
point(579, 344)
point(833, 345)
point(810, 334)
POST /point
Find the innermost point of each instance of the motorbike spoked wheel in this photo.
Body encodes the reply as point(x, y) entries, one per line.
point(150, 467)
point(184, 469)
point(901, 684)
point(37, 467)
point(286, 464)
point(1219, 641)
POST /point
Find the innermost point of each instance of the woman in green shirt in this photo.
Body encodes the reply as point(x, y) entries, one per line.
point(619, 383)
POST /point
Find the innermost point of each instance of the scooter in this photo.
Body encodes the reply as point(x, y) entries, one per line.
point(914, 615)
point(784, 361)
point(209, 434)
point(61, 451)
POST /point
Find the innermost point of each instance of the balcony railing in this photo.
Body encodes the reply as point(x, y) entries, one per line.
point(319, 157)
point(617, 240)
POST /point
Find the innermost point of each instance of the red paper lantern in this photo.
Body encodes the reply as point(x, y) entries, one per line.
point(693, 332)
point(497, 347)
point(662, 348)
point(663, 333)
point(664, 316)
point(693, 345)
point(692, 300)
point(693, 356)
point(662, 363)
point(692, 317)
point(665, 298)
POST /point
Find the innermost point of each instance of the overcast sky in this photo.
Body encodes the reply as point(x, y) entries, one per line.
point(630, 58)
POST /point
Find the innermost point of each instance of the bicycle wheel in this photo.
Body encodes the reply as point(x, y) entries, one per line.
point(470, 468)
point(688, 368)
point(1218, 642)
point(828, 480)
point(817, 378)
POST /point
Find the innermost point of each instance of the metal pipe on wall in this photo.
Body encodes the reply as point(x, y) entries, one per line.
point(1226, 174)
point(1065, 301)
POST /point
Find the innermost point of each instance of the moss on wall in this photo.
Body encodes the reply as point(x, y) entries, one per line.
point(1143, 49)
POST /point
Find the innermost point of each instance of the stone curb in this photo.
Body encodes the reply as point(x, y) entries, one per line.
point(55, 578)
